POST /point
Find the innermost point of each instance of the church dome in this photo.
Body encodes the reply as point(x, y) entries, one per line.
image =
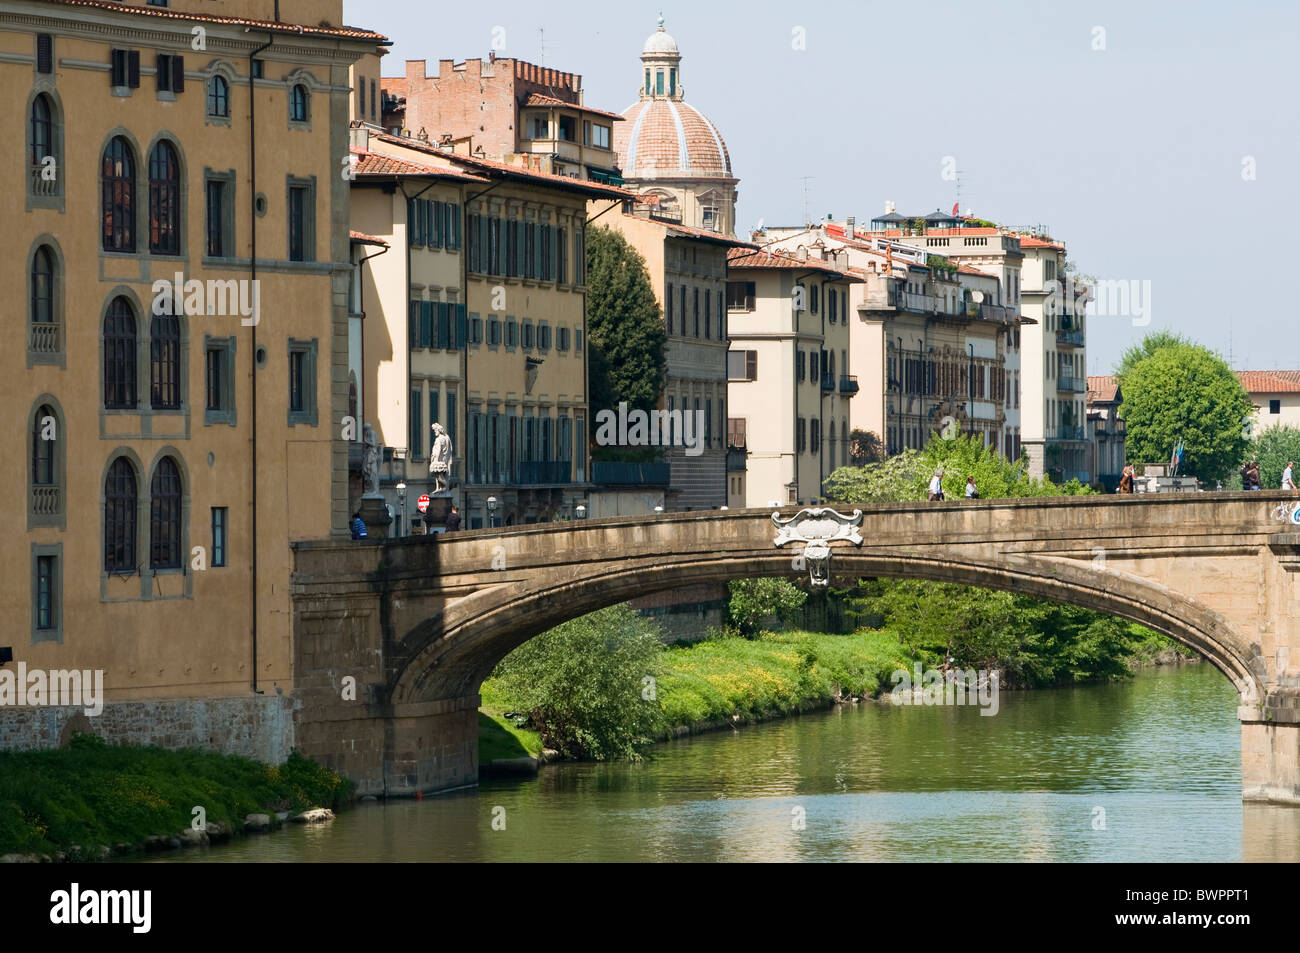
point(668, 138)
point(660, 42)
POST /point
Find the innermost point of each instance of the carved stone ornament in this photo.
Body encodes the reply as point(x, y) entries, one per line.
point(817, 528)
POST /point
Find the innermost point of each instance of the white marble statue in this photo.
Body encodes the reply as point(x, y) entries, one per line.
point(440, 456)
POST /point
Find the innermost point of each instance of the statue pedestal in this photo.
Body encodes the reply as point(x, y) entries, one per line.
point(374, 513)
point(436, 514)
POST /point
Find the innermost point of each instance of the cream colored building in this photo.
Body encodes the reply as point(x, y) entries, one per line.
point(1276, 397)
point(688, 271)
point(789, 392)
point(671, 152)
point(175, 449)
point(514, 292)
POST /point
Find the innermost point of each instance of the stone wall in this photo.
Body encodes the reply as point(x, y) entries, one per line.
point(258, 727)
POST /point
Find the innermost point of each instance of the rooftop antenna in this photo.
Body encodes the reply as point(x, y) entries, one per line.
point(806, 179)
point(541, 45)
point(1231, 363)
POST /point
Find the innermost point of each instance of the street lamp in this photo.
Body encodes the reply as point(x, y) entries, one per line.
point(492, 509)
point(659, 509)
point(401, 504)
point(580, 511)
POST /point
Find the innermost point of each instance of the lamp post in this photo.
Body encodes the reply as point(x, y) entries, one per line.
point(580, 511)
point(659, 509)
point(492, 509)
point(401, 505)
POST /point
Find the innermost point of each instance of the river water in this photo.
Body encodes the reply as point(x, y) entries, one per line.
point(1144, 770)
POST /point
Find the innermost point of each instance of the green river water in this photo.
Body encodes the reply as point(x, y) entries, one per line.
point(1144, 770)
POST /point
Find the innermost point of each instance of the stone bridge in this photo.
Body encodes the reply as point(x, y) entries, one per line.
point(392, 639)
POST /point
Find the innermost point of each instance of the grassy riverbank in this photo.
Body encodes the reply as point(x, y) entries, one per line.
point(95, 795)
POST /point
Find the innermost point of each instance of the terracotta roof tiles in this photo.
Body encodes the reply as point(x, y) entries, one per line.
point(270, 26)
point(1270, 382)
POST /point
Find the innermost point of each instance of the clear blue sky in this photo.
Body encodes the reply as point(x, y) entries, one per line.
point(1133, 155)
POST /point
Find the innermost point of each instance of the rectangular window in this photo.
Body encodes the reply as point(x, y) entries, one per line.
point(46, 596)
point(1275, 406)
point(219, 217)
point(561, 250)
point(697, 311)
point(722, 313)
point(415, 223)
point(512, 333)
point(219, 516)
point(475, 329)
point(567, 128)
point(219, 380)
point(740, 296)
point(600, 137)
point(659, 82)
point(668, 308)
point(742, 365)
point(682, 302)
point(579, 257)
point(258, 69)
point(44, 53)
point(125, 68)
point(302, 237)
point(302, 382)
point(417, 425)
point(170, 73)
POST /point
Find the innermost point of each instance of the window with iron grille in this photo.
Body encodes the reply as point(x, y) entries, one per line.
point(117, 184)
point(164, 200)
point(164, 362)
point(119, 356)
point(120, 517)
point(165, 516)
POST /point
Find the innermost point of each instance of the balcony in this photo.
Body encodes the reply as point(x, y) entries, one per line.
point(736, 457)
point(828, 382)
point(42, 186)
point(1068, 432)
point(45, 500)
point(44, 338)
point(554, 471)
point(1071, 385)
point(1069, 338)
point(848, 384)
point(617, 473)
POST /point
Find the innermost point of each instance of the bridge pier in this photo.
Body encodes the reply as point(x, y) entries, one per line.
point(1270, 749)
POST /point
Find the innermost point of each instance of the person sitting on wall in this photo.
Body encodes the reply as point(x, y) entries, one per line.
point(1126, 479)
point(358, 526)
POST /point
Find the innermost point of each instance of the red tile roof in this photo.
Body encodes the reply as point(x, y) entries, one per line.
point(537, 99)
point(585, 186)
point(364, 239)
point(270, 26)
point(374, 163)
point(1029, 241)
point(968, 270)
point(689, 231)
point(669, 138)
point(747, 258)
point(1270, 382)
point(1102, 389)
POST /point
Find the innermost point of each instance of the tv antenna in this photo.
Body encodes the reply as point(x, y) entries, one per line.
point(806, 179)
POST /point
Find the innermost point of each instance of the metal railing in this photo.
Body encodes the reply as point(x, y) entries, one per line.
point(1071, 385)
point(1069, 339)
point(848, 383)
point(1067, 432)
point(41, 185)
point(828, 382)
point(553, 471)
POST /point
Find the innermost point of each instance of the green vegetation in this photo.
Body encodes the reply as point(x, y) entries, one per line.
point(1273, 449)
point(1187, 393)
point(93, 794)
point(755, 600)
point(499, 736)
point(906, 476)
point(626, 337)
point(583, 684)
point(1155, 341)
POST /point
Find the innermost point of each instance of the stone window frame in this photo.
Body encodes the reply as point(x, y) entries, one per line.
point(228, 414)
point(59, 357)
point(228, 179)
point(309, 217)
point(143, 408)
point(227, 72)
point(308, 416)
point(43, 84)
point(59, 520)
point(55, 633)
point(310, 85)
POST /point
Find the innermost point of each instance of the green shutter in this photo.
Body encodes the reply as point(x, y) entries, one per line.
point(426, 323)
point(460, 325)
point(413, 323)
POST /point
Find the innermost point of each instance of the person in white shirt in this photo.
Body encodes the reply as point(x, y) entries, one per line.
point(972, 492)
point(1288, 482)
point(936, 486)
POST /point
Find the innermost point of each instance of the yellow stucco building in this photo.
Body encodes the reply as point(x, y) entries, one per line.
point(179, 237)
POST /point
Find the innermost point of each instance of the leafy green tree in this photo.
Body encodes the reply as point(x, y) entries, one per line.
point(1185, 393)
point(1147, 346)
point(906, 476)
point(755, 600)
point(581, 684)
point(626, 337)
point(1273, 449)
point(865, 447)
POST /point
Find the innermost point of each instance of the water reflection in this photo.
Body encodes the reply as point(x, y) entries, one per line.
point(1140, 771)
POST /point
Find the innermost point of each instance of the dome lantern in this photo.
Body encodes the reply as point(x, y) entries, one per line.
point(661, 66)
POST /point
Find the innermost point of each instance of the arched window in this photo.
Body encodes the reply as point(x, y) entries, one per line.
point(119, 517)
point(219, 97)
point(298, 100)
point(119, 356)
point(42, 130)
point(118, 184)
point(164, 201)
point(164, 362)
point(165, 516)
point(44, 438)
point(44, 330)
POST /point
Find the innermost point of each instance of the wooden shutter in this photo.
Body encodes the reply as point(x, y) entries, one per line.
point(117, 68)
point(178, 74)
point(413, 324)
point(460, 325)
point(751, 365)
point(44, 53)
point(749, 296)
point(133, 69)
